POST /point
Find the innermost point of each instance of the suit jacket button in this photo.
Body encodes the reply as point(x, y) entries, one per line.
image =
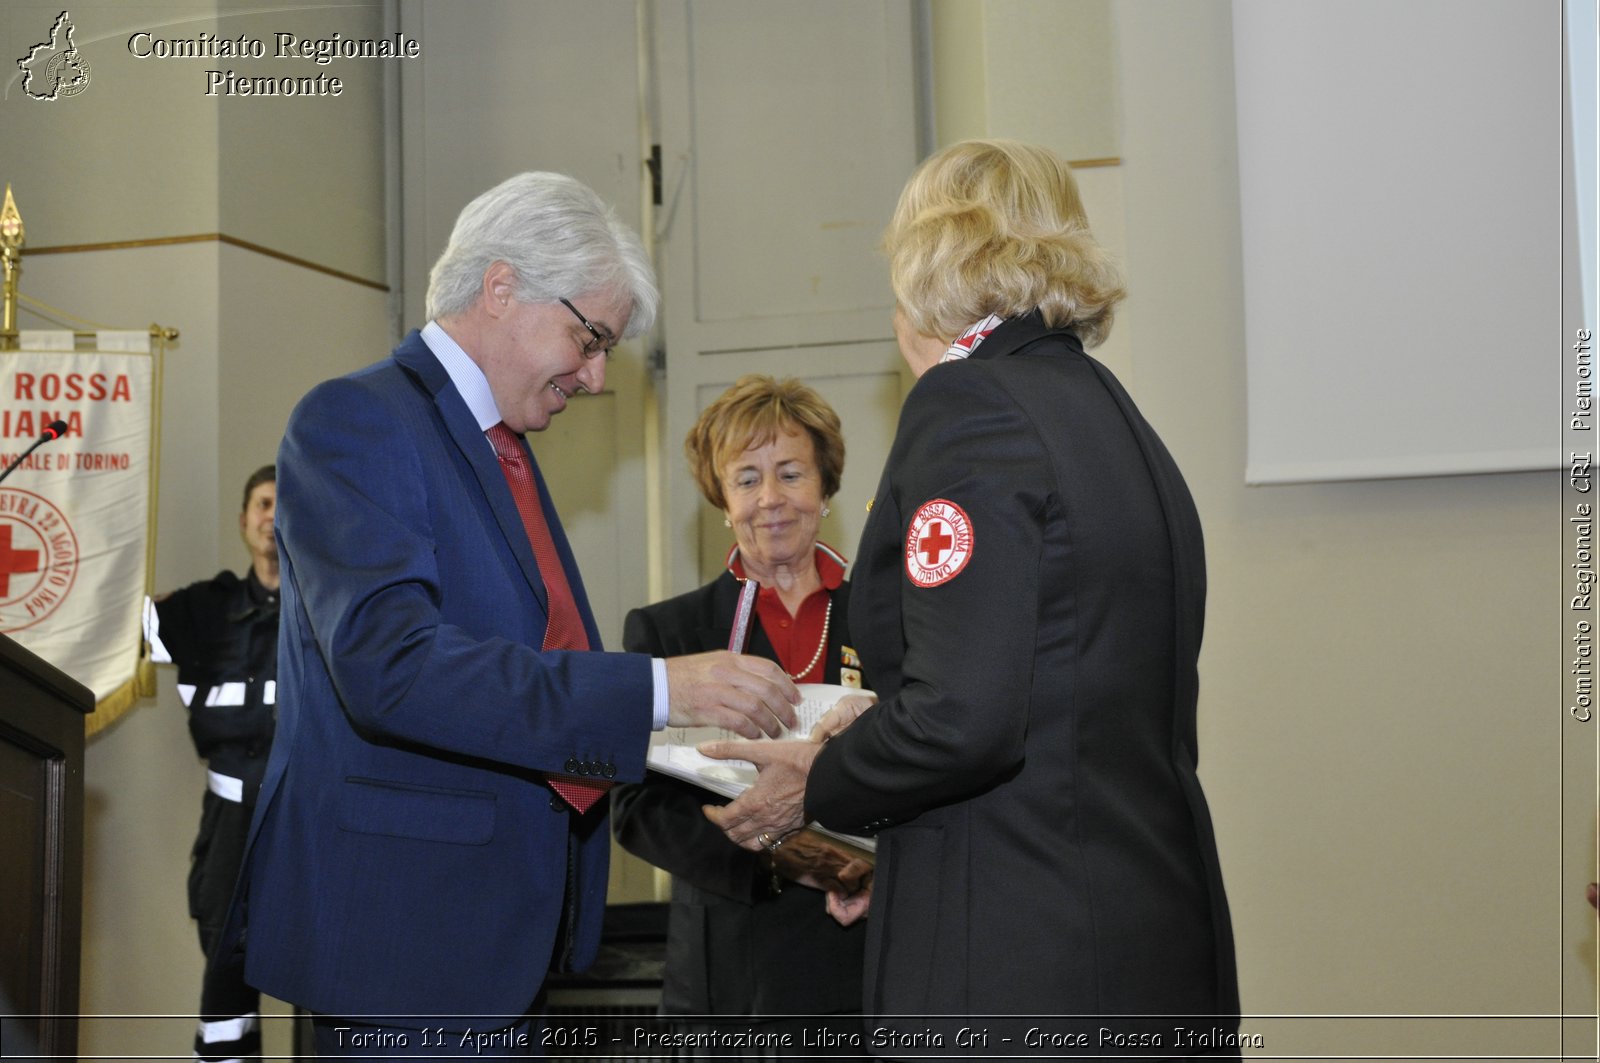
point(571, 766)
point(611, 771)
point(557, 804)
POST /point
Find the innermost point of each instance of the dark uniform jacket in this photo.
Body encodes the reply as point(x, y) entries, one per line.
point(734, 947)
point(222, 634)
point(1028, 599)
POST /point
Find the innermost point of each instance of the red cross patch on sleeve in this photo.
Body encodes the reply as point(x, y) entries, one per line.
point(939, 543)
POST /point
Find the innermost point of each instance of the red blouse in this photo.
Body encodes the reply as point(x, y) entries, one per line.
point(797, 638)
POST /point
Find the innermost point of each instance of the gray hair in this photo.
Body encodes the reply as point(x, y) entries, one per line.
point(562, 240)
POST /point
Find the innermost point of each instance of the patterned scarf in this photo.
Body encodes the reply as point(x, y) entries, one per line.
point(968, 341)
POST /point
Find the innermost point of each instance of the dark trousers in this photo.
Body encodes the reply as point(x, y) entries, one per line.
point(230, 1021)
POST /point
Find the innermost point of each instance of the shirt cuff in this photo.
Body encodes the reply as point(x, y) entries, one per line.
point(660, 706)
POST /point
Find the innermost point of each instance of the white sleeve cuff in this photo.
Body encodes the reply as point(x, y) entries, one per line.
point(658, 669)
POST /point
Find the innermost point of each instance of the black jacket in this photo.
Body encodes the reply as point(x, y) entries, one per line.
point(1044, 846)
point(222, 633)
point(733, 946)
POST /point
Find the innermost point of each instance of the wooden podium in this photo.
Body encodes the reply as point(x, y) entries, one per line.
point(41, 839)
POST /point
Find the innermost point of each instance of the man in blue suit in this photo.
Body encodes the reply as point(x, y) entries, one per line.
point(413, 870)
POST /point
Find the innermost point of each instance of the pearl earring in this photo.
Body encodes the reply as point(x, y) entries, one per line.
point(825, 509)
point(726, 523)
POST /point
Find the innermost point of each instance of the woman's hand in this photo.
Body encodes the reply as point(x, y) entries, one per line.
point(847, 908)
point(812, 860)
point(845, 712)
point(774, 806)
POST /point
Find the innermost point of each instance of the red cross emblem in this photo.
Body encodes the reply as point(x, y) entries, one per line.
point(38, 558)
point(938, 543)
point(14, 561)
point(933, 545)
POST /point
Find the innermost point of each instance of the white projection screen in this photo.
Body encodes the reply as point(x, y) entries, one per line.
point(1400, 190)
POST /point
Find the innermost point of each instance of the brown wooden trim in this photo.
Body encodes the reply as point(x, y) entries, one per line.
point(270, 253)
point(200, 238)
point(1085, 164)
point(118, 245)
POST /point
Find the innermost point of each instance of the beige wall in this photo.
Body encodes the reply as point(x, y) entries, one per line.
point(1381, 715)
point(1043, 72)
point(1381, 718)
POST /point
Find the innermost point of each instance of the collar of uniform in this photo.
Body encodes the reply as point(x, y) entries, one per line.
point(259, 592)
point(255, 599)
point(1015, 333)
point(830, 565)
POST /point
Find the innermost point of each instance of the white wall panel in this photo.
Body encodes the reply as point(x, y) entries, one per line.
point(1398, 288)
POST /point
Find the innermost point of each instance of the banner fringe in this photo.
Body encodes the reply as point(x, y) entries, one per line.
point(109, 709)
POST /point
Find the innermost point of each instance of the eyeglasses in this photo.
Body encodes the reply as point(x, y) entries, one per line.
point(601, 341)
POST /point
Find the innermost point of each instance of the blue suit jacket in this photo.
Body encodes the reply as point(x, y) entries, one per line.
point(406, 857)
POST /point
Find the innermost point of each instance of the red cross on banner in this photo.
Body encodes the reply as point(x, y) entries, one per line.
point(14, 562)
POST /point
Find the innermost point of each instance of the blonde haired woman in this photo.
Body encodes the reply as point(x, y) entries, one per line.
point(1027, 601)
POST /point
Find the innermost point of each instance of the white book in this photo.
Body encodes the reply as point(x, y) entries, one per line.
point(673, 752)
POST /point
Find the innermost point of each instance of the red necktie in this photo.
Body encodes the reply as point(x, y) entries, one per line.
point(564, 628)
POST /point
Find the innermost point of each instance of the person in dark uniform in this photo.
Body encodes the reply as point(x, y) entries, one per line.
point(1028, 598)
point(222, 633)
point(749, 933)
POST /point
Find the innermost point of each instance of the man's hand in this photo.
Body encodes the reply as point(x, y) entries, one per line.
point(842, 715)
point(774, 807)
point(747, 695)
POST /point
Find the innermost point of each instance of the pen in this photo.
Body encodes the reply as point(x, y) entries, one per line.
point(741, 615)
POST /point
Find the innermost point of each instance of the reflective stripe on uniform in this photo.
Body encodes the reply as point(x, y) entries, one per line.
point(226, 694)
point(228, 1029)
point(226, 787)
point(228, 1040)
point(152, 633)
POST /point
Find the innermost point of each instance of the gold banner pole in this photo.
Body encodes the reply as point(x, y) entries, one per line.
point(11, 238)
point(159, 337)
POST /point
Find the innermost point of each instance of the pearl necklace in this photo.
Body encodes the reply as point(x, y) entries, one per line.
point(827, 618)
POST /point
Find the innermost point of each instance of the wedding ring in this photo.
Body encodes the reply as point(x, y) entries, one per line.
point(766, 840)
